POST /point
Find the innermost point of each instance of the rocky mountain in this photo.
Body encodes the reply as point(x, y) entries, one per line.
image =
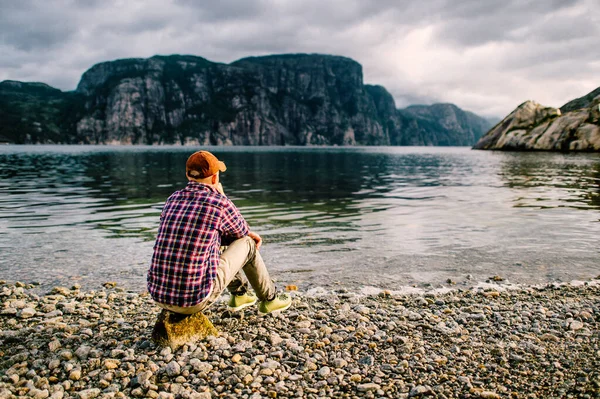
point(531, 126)
point(292, 99)
point(581, 102)
point(36, 113)
point(448, 124)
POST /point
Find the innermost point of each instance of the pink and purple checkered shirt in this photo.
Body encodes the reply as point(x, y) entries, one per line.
point(186, 253)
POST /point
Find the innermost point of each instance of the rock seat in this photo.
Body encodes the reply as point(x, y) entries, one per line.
point(175, 330)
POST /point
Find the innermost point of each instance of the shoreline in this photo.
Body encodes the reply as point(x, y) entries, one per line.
point(482, 342)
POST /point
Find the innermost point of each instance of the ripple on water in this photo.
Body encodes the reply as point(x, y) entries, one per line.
point(378, 216)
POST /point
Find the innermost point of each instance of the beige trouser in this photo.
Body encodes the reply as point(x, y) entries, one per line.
point(240, 254)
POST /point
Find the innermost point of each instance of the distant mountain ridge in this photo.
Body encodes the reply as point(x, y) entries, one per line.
point(533, 127)
point(289, 99)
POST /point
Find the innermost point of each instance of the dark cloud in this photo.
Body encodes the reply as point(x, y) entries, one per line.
point(485, 56)
point(34, 26)
point(471, 24)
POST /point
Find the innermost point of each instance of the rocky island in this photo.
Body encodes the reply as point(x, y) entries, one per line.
point(289, 99)
point(532, 127)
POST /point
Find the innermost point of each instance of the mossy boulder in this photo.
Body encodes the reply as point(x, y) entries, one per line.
point(175, 330)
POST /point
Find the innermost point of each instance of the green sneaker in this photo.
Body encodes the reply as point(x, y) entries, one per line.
point(277, 304)
point(239, 302)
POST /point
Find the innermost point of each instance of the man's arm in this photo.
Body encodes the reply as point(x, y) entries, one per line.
point(257, 238)
point(233, 224)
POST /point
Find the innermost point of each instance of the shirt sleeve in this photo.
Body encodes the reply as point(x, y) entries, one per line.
point(233, 223)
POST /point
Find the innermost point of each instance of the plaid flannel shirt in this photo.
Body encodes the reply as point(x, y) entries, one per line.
point(186, 252)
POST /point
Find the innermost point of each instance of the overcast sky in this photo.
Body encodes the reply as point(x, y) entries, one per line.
point(486, 56)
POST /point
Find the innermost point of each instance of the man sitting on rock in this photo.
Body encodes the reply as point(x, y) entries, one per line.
point(188, 273)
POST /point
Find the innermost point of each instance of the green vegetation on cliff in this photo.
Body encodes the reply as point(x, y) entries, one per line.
point(37, 113)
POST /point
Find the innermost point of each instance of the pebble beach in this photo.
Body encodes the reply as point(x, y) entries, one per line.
point(475, 342)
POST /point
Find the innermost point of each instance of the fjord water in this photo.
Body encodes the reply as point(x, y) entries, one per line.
point(385, 217)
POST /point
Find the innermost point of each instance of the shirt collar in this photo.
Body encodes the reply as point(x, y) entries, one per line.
point(195, 186)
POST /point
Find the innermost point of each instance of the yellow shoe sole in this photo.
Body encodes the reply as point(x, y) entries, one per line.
point(275, 311)
point(238, 308)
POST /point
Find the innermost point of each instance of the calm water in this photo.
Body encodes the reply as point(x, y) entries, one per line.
point(383, 217)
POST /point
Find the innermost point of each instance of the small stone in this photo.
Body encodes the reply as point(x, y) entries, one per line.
point(414, 316)
point(367, 360)
point(489, 395)
point(275, 339)
point(575, 325)
point(236, 358)
point(311, 366)
point(368, 387)
point(83, 352)
point(111, 364)
point(291, 287)
point(200, 367)
point(26, 313)
point(585, 315)
point(303, 324)
point(496, 278)
point(39, 393)
point(18, 304)
point(54, 345)
point(356, 378)
point(549, 337)
point(172, 369)
point(75, 375)
point(60, 291)
point(339, 363)
point(66, 355)
point(362, 309)
point(54, 363)
point(491, 294)
point(324, 372)
point(109, 284)
point(247, 379)
point(89, 393)
point(420, 390)
point(144, 377)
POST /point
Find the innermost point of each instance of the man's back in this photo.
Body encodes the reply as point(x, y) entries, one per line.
point(186, 253)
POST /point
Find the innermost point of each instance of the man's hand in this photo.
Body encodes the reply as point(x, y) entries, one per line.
point(257, 239)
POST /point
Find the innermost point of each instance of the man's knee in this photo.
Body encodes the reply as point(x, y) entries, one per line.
point(252, 245)
point(246, 240)
point(236, 246)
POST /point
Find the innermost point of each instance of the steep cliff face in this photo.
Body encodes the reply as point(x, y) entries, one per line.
point(293, 99)
point(274, 100)
point(534, 127)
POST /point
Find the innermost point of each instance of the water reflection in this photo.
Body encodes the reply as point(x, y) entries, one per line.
point(357, 215)
point(553, 180)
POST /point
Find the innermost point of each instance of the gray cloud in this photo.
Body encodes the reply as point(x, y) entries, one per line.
point(485, 56)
